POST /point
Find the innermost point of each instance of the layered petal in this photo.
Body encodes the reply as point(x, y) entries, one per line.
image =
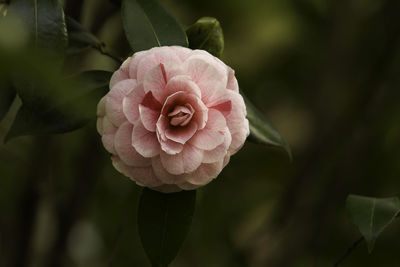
point(130, 103)
point(144, 141)
point(213, 133)
point(184, 162)
point(125, 150)
point(113, 101)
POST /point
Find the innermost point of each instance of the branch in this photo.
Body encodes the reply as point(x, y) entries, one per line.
point(348, 251)
point(352, 247)
point(103, 51)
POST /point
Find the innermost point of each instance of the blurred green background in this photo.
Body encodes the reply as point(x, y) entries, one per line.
point(325, 72)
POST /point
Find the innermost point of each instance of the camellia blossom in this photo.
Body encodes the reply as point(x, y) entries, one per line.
point(172, 118)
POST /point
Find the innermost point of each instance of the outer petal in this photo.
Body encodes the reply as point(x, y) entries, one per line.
point(123, 147)
point(239, 137)
point(232, 82)
point(155, 81)
point(218, 153)
point(130, 104)
point(114, 99)
point(145, 142)
point(167, 188)
point(108, 134)
point(142, 176)
point(154, 57)
point(206, 76)
point(121, 74)
point(185, 162)
point(205, 173)
point(163, 175)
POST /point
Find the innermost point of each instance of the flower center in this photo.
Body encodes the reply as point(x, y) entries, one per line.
point(181, 115)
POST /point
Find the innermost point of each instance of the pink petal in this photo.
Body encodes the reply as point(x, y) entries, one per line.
point(145, 142)
point(182, 52)
point(218, 153)
point(168, 146)
point(155, 81)
point(130, 103)
point(183, 83)
point(232, 82)
point(206, 76)
point(163, 175)
point(205, 173)
point(239, 137)
point(101, 107)
point(113, 102)
point(185, 162)
point(123, 147)
point(171, 147)
point(212, 135)
point(224, 107)
point(142, 176)
point(182, 98)
point(108, 143)
point(133, 66)
point(181, 134)
point(151, 102)
point(154, 57)
point(148, 117)
point(236, 117)
point(121, 74)
point(99, 125)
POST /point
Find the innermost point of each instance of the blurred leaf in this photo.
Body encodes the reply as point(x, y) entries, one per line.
point(206, 34)
point(79, 38)
point(86, 90)
point(164, 221)
point(147, 24)
point(261, 130)
point(7, 95)
point(372, 215)
point(45, 22)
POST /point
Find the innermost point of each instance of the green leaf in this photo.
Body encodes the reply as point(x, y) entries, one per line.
point(206, 34)
point(372, 215)
point(261, 130)
point(147, 24)
point(7, 95)
point(45, 22)
point(79, 38)
point(164, 221)
point(85, 91)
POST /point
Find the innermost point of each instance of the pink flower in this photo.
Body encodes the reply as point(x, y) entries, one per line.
point(172, 118)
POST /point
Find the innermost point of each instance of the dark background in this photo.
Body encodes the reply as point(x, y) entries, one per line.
point(326, 74)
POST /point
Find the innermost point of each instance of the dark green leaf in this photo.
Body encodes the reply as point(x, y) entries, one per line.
point(261, 130)
point(206, 34)
point(147, 24)
point(45, 22)
point(164, 221)
point(85, 91)
point(79, 38)
point(372, 215)
point(7, 95)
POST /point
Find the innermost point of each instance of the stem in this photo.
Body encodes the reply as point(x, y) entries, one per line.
point(348, 251)
point(103, 51)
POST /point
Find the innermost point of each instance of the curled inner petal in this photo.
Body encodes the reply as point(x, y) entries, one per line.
point(181, 115)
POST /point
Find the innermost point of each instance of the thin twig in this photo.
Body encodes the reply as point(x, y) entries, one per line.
point(102, 49)
point(348, 251)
